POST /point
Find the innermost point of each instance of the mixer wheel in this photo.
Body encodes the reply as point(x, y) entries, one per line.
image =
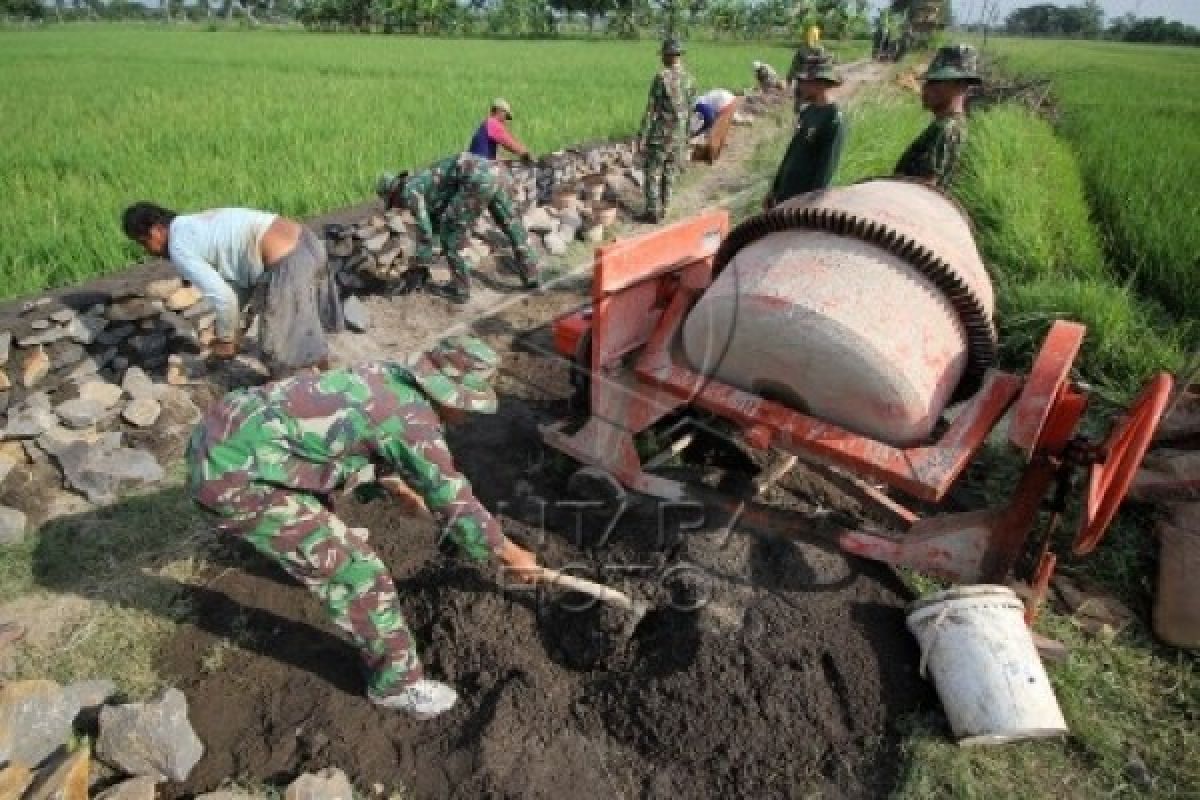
point(1122, 453)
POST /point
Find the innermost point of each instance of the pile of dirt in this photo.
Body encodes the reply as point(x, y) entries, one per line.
point(794, 689)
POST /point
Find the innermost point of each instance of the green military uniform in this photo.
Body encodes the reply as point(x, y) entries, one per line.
point(663, 134)
point(813, 154)
point(265, 461)
point(450, 195)
point(935, 154)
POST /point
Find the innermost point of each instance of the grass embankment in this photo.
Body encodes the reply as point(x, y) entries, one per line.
point(96, 117)
point(1131, 113)
point(1128, 701)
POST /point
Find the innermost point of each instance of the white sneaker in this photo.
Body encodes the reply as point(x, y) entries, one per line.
point(424, 699)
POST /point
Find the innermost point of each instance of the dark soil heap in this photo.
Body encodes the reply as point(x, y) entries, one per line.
point(795, 694)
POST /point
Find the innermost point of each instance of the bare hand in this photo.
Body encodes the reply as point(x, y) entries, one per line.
point(411, 504)
point(520, 564)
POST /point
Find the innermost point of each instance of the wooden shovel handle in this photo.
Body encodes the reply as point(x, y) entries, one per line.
point(596, 590)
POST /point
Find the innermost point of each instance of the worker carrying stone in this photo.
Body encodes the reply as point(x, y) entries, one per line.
point(492, 134)
point(816, 148)
point(935, 154)
point(449, 196)
point(706, 109)
point(266, 461)
point(767, 78)
point(663, 135)
point(228, 254)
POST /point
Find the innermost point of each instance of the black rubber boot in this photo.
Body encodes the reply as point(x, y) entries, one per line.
point(414, 279)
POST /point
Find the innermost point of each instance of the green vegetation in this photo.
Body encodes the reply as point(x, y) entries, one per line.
point(287, 121)
point(1131, 113)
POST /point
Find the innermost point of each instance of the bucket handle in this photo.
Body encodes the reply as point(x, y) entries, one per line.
point(925, 651)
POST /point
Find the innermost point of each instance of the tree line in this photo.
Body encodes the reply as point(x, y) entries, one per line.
point(1086, 21)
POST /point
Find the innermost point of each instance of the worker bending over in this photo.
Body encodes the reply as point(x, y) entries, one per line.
point(767, 78)
point(227, 253)
point(663, 134)
point(449, 196)
point(816, 148)
point(935, 154)
point(707, 107)
point(265, 462)
point(492, 134)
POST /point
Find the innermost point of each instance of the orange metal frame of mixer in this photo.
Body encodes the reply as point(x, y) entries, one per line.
point(628, 343)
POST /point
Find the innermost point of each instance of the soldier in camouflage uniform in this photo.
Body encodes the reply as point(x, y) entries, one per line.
point(450, 195)
point(934, 156)
point(663, 135)
point(266, 460)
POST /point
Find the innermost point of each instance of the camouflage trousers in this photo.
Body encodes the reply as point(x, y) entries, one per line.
point(481, 191)
point(296, 530)
point(662, 166)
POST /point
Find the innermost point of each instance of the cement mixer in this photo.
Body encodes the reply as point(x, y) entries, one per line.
point(852, 329)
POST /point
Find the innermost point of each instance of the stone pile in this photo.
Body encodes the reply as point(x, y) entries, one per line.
point(75, 378)
point(137, 745)
point(573, 194)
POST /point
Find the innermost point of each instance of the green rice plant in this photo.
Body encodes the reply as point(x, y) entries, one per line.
point(1131, 112)
point(100, 116)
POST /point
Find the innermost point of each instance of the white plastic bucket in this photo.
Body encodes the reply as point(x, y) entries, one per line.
point(980, 655)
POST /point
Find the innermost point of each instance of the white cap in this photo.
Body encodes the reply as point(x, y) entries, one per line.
point(757, 64)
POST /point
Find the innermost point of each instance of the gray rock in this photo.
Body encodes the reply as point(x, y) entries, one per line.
point(105, 393)
point(140, 788)
point(120, 363)
point(377, 242)
point(40, 324)
point(142, 412)
point(28, 422)
point(195, 310)
point(149, 345)
point(137, 383)
point(36, 717)
point(151, 739)
point(45, 337)
point(82, 412)
point(6, 338)
point(115, 335)
point(177, 407)
point(12, 521)
point(39, 400)
point(637, 176)
point(98, 470)
point(30, 305)
point(555, 245)
point(91, 365)
point(64, 315)
point(340, 248)
point(538, 220)
point(66, 355)
point(7, 462)
point(85, 329)
point(570, 219)
point(133, 308)
point(231, 794)
point(35, 454)
point(328, 784)
point(176, 325)
point(358, 318)
point(162, 288)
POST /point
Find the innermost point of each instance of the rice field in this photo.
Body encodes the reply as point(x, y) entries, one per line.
point(97, 116)
point(1131, 113)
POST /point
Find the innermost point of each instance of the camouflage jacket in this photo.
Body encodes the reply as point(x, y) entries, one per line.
point(672, 95)
point(934, 155)
point(427, 193)
point(341, 429)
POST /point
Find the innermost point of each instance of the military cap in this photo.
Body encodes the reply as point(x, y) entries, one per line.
point(956, 62)
point(817, 66)
point(672, 47)
point(457, 372)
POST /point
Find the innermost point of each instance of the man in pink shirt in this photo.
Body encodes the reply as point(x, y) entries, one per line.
point(492, 133)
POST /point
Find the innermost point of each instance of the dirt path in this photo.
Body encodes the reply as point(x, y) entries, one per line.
point(794, 690)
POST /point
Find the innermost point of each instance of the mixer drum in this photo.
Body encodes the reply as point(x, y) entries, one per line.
point(865, 306)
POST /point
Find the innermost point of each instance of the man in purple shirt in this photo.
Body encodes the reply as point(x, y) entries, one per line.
point(492, 133)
